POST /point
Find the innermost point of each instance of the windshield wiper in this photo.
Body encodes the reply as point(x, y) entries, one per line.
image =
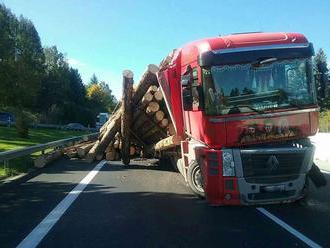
point(246, 106)
point(264, 61)
point(292, 104)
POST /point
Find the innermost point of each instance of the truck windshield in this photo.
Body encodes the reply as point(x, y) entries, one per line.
point(244, 88)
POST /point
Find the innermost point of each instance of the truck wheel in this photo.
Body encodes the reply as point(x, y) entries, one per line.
point(195, 179)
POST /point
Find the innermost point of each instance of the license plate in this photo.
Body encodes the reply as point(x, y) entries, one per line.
point(272, 188)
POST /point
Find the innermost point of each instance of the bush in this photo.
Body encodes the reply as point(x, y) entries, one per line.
point(23, 120)
point(325, 121)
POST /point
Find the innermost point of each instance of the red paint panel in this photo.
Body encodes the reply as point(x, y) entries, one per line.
point(213, 180)
point(235, 195)
point(263, 130)
point(169, 79)
point(314, 120)
point(239, 40)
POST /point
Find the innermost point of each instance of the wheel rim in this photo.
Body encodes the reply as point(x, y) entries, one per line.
point(197, 179)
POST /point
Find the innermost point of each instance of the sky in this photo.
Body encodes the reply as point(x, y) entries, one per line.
point(106, 37)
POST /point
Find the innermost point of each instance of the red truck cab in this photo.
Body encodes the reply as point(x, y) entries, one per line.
point(244, 106)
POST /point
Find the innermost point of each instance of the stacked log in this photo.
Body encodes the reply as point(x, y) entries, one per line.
point(45, 159)
point(167, 143)
point(96, 152)
point(114, 149)
point(79, 150)
point(126, 119)
point(140, 124)
point(84, 149)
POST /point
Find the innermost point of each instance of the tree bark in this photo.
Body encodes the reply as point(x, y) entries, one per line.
point(155, 133)
point(83, 150)
point(126, 120)
point(103, 128)
point(100, 145)
point(148, 78)
point(111, 155)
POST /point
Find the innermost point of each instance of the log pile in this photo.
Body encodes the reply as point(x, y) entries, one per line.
point(139, 126)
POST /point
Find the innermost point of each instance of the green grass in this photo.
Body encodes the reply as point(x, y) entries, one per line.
point(10, 141)
point(325, 121)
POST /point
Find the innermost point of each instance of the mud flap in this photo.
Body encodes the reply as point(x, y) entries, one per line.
point(316, 176)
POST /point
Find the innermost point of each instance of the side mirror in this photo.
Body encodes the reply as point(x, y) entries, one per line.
point(187, 99)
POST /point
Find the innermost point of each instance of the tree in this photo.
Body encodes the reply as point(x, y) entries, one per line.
point(52, 93)
point(21, 70)
point(8, 25)
point(110, 100)
point(63, 95)
point(100, 98)
point(93, 80)
point(29, 63)
point(37, 80)
point(320, 66)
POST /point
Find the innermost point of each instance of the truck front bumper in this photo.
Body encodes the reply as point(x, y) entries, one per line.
point(272, 175)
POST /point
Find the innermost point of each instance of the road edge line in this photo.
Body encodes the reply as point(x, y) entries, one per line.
point(40, 231)
point(290, 229)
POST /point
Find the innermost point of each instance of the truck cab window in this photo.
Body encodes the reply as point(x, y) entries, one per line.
point(247, 88)
point(195, 93)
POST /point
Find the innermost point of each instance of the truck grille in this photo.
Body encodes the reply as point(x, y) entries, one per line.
point(271, 168)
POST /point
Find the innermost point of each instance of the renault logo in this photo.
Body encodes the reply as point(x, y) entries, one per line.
point(272, 163)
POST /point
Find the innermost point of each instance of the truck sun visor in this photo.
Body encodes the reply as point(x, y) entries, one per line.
point(251, 54)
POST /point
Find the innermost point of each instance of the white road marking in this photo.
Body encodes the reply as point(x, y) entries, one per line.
point(40, 231)
point(290, 229)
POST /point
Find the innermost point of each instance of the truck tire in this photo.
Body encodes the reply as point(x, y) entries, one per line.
point(195, 180)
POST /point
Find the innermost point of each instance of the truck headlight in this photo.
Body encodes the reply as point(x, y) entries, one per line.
point(228, 165)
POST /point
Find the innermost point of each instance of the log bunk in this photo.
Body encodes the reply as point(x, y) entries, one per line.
point(140, 125)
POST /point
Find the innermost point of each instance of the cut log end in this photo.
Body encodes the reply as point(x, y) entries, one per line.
point(153, 68)
point(128, 74)
point(171, 129)
point(158, 95)
point(167, 143)
point(159, 116)
point(152, 108)
point(163, 123)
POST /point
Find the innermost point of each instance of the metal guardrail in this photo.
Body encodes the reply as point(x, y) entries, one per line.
point(8, 155)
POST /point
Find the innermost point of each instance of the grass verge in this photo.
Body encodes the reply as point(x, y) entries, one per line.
point(10, 141)
point(325, 121)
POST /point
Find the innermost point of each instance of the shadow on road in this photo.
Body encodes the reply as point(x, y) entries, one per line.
point(146, 206)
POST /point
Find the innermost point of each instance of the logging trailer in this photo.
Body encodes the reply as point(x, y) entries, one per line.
point(233, 114)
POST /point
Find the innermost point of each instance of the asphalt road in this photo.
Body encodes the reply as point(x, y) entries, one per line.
point(145, 206)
